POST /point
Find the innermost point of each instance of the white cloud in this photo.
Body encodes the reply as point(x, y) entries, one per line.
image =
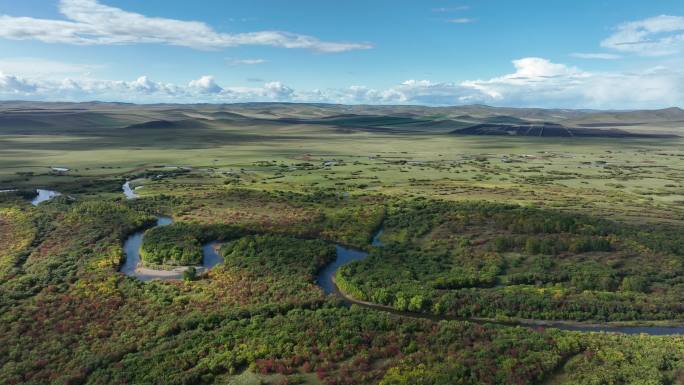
point(461, 20)
point(205, 85)
point(237, 62)
point(596, 55)
point(140, 89)
point(425, 92)
point(278, 91)
point(457, 8)
point(655, 36)
point(534, 68)
point(90, 22)
point(14, 85)
point(532, 74)
point(145, 85)
point(535, 82)
point(541, 83)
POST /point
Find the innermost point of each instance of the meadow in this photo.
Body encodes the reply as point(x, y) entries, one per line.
point(641, 176)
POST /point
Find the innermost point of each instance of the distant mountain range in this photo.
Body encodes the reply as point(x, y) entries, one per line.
point(29, 117)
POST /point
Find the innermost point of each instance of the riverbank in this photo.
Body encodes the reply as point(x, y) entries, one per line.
point(628, 327)
point(128, 191)
point(44, 196)
point(133, 266)
point(326, 280)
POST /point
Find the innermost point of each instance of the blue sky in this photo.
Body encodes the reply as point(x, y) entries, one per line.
point(570, 54)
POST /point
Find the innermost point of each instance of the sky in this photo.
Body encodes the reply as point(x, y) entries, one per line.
point(589, 54)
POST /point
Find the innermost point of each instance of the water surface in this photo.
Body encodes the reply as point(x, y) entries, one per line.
point(652, 330)
point(211, 256)
point(128, 191)
point(132, 252)
point(345, 255)
point(43, 196)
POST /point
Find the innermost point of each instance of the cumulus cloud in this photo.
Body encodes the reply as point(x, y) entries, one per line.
point(655, 36)
point(535, 68)
point(15, 85)
point(278, 91)
point(89, 22)
point(532, 74)
point(539, 82)
point(142, 90)
point(206, 85)
point(144, 85)
point(534, 82)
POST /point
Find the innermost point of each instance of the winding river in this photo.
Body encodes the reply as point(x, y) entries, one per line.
point(345, 255)
point(41, 195)
point(128, 191)
point(132, 267)
point(326, 280)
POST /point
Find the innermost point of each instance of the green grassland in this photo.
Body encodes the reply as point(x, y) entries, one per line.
point(642, 177)
point(474, 226)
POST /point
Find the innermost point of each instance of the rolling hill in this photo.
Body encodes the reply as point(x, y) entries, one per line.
point(38, 117)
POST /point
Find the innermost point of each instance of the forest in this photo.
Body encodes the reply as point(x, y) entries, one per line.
point(278, 255)
point(69, 317)
point(174, 245)
point(475, 259)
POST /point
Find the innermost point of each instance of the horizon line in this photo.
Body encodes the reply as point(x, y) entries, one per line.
point(337, 104)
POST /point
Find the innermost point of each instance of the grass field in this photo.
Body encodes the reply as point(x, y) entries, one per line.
point(639, 177)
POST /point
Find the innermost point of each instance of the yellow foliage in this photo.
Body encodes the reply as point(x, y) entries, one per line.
point(16, 234)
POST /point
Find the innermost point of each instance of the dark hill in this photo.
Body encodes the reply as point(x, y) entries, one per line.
point(548, 130)
point(224, 115)
point(158, 124)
